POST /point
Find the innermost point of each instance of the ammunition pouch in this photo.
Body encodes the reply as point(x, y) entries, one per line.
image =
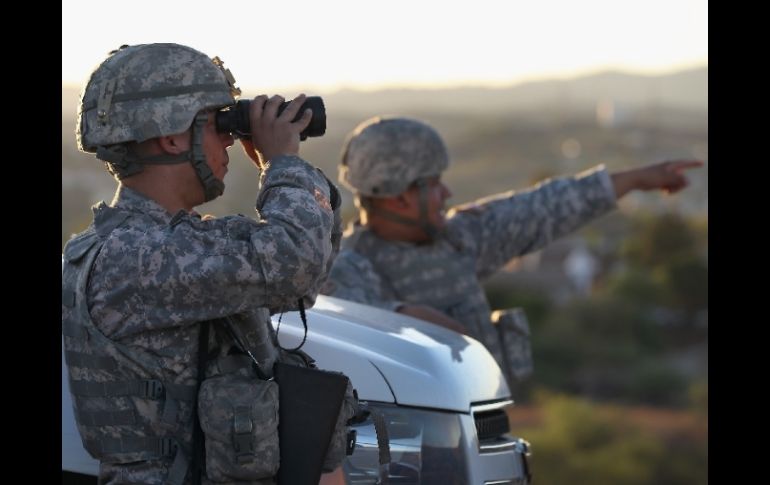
point(513, 331)
point(239, 417)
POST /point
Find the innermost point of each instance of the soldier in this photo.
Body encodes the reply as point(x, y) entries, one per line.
point(405, 255)
point(150, 286)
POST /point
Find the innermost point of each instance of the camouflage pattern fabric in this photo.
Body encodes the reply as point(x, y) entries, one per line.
point(150, 90)
point(157, 275)
point(229, 406)
point(478, 239)
point(513, 331)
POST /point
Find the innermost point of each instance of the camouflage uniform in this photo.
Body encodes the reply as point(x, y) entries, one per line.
point(137, 283)
point(477, 240)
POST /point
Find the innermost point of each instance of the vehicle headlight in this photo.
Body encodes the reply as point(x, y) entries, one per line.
point(426, 447)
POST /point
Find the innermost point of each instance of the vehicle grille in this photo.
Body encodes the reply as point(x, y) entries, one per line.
point(491, 424)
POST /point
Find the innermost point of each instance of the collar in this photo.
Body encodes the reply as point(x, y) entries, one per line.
point(132, 201)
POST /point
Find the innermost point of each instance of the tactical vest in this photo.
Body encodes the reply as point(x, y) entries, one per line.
point(443, 276)
point(124, 411)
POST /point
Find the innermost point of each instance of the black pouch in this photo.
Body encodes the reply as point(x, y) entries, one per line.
point(239, 418)
point(311, 400)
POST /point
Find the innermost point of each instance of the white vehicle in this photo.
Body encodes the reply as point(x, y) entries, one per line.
point(442, 395)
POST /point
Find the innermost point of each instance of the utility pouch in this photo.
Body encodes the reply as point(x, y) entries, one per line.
point(513, 330)
point(239, 418)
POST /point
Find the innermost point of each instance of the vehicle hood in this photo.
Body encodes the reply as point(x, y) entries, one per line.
point(391, 357)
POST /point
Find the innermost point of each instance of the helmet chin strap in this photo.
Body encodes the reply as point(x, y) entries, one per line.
point(212, 186)
point(423, 221)
point(124, 164)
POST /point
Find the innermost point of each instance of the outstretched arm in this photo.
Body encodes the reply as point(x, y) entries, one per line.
point(667, 176)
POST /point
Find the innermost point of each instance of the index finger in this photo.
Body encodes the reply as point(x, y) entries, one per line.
point(255, 109)
point(679, 165)
point(291, 110)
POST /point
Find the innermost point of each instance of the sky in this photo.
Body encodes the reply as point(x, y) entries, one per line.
point(326, 45)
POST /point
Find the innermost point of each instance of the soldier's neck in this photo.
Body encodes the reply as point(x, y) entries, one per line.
point(165, 191)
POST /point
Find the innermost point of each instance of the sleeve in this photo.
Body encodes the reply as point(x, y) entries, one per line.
point(353, 278)
point(198, 270)
point(511, 224)
point(336, 238)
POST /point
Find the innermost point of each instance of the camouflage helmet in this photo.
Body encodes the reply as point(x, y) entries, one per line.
point(383, 156)
point(147, 91)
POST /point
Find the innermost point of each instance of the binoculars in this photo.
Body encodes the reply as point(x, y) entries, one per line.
point(235, 119)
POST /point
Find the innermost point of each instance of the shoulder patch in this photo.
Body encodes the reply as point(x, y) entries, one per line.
point(323, 201)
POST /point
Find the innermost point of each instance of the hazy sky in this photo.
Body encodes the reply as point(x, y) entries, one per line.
point(329, 44)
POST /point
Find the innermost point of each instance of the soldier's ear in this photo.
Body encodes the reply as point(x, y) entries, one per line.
point(174, 144)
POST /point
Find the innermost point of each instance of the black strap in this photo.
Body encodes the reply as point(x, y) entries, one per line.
point(383, 444)
point(364, 413)
point(158, 447)
point(304, 324)
point(161, 93)
point(198, 451)
point(145, 388)
point(79, 359)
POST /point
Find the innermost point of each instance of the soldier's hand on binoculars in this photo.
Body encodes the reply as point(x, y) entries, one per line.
point(274, 135)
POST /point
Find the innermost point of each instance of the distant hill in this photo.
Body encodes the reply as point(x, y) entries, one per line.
point(685, 90)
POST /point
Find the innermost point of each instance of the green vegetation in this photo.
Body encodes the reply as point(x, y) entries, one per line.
point(621, 376)
point(579, 442)
point(640, 337)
